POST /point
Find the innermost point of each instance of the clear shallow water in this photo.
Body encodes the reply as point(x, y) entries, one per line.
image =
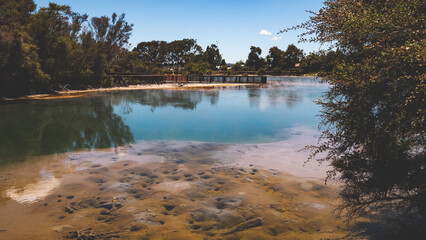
point(230, 115)
point(171, 180)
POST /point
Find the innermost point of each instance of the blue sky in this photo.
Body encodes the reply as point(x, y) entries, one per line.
point(234, 25)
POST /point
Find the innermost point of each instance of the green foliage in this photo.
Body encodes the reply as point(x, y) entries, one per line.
point(261, 71)
point(197, 68)
point(238, 66)
point(181, 52)
point(279, 61)
point(254, 61)
point(275, 58)
point(374, 112)
point(321, 61)
point(152, 53)
point(155, 55)
point(292, 56)
point(53, 48)
point(20, 71)
point(15, 13)
point(178, 55)
point(111, 35)
point(212, 56)
point(276, 71)
point(224, 68)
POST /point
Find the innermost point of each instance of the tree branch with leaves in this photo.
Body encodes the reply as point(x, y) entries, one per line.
point(373, 115)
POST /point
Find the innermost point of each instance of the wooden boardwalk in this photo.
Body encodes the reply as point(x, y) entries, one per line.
point(131, 78)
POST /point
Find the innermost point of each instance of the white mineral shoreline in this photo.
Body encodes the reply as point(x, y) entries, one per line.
point(171, 86)
point(285, 155)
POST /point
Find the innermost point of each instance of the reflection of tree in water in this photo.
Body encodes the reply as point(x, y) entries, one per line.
point(289, 95)
point(213, 95)
point(176, 99)
point(292, 98)
point(254, 97)
point(275, 96)
point(160, 98)
point(47, 128)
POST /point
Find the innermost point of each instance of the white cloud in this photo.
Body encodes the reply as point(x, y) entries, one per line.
point(265, 32)
point(277, 39)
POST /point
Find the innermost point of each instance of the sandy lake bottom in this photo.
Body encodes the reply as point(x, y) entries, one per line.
point(191, 164)
point(169, 190)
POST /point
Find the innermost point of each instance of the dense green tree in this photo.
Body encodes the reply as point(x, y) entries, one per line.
point(15, 13)
point(56, 48)
point(321, 61)
point(152, 52)
point(112, 35)
point(374, 112)
point(313, 62)
point(171, 55)
point(275, 57)
point(181, 52)
point(90, 62)
point(238, 66)
point(254, 61)
point(197, 68)
point(212, 56)
point(20, 71)
point(292, 56)
point(279, 61)
point(21, 74)
point(55, 31)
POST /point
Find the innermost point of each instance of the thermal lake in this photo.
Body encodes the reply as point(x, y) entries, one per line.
point(214, 163)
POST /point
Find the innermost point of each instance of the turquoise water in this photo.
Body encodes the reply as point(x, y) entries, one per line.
point(228, 115)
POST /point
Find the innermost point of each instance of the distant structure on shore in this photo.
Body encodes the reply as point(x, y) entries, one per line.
point(134, 78)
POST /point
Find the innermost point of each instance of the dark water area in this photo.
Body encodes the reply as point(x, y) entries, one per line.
point(105, 120)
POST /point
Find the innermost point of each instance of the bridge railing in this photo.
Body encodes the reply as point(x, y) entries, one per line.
point(128, 79)
point(226, 79)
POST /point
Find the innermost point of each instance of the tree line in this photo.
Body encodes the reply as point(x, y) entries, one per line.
point(187, 57)
point(291, 61)
point(56, 48)
point(180, 56)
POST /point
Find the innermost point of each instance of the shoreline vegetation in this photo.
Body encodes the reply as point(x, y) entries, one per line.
point(50, 48)
point(72, 93)
point(373, 114)
point(81, 93)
